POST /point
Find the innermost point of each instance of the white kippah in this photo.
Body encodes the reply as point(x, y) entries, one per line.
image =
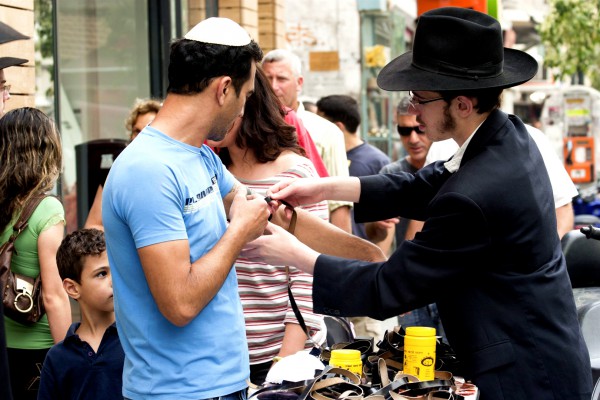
point(219, 31)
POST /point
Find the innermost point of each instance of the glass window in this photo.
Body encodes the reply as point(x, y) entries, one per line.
point(102, 64)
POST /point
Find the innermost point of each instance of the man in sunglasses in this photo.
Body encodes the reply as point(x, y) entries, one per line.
point(416, 144)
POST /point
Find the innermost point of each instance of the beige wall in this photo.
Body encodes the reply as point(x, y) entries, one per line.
point(271, 24)
point(263, 19)
point(19, 15)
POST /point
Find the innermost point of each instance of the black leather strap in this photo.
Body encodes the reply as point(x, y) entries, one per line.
point(291, 229)
point(297, 313)
point(283, 386)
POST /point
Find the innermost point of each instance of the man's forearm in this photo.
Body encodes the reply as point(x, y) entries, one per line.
point(294, 339)
point(342, 188)
point(565, 219)
point(328, 239)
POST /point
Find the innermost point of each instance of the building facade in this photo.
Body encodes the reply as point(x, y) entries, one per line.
point(89, 60)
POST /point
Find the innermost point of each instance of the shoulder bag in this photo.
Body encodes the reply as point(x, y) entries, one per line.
point(21, 295)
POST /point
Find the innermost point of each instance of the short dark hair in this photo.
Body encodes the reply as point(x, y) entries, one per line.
point(487, 99)
point(341, 108)
point(74, 248)
point(263, 130)
point(193, 64)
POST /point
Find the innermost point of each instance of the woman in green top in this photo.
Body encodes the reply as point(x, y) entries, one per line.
point(31, 157)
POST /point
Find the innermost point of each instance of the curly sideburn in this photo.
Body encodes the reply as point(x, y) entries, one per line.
point(31, 159)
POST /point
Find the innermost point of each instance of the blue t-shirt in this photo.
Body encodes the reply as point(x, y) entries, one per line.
point(73, 370)
point(364, 159)
point(160, 189)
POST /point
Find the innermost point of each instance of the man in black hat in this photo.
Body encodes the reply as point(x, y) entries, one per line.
point(489, 253)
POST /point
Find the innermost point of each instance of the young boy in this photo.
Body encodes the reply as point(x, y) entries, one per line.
point(88, 363)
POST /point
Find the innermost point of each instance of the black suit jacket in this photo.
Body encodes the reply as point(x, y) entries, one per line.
point(490, 257)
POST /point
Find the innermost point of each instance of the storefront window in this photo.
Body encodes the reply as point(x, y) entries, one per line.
point(102, 63)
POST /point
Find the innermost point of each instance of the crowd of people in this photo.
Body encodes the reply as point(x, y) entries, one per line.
point(209, 221)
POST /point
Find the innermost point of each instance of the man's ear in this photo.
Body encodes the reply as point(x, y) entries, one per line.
point(224, 87)
point(464, 105)
point(72, 288)
point(340, 125)
point(299, 83)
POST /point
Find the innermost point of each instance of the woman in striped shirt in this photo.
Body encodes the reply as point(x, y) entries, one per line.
point(260, 150)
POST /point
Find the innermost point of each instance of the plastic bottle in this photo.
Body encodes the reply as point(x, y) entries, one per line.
point(347, 359)
point(419, 352)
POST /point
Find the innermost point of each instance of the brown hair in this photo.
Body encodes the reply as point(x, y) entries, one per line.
point(77, 245)
point(263, 129)
point(31, 159)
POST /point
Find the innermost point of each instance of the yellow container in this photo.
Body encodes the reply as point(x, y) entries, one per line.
point(347, 359)
point(419, 352)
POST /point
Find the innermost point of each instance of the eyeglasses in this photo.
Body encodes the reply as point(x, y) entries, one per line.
point(415, 102)
point(407, 130)
point(5, 88)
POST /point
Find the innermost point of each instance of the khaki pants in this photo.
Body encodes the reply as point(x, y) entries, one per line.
point(369, 327)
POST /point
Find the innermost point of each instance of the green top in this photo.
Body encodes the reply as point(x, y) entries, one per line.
point(25, 261)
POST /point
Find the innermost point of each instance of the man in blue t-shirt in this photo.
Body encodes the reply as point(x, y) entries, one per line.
point(166, 204)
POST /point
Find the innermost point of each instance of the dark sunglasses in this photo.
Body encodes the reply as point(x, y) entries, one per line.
point(407, 130)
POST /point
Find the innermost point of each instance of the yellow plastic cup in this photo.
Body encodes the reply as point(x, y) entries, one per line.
point(419, 352)
point(347, 359)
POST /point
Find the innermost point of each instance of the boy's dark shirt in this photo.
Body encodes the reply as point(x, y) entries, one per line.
point(72, 370)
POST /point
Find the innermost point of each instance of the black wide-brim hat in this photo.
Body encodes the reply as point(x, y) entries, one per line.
point(457, 49)
point(6, 62)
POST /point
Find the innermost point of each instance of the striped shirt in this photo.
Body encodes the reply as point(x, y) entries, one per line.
point(263, 287)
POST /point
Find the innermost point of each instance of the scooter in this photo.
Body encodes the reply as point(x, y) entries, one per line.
point(582, 256)
point(586, 207)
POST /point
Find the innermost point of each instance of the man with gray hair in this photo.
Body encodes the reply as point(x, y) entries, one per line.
point(284, 70)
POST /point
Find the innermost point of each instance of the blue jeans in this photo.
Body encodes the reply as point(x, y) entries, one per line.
point(425, 316)
point(239, 395)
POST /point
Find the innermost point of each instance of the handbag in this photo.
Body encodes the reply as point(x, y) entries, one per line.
point(21, 294)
